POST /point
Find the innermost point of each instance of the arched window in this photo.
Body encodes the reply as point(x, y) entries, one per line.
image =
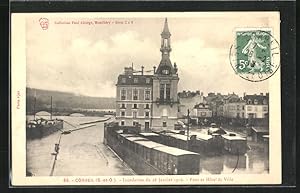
point(165, 42)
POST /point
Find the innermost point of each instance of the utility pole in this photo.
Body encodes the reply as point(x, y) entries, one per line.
point(188, 129)
point(51, 109)
point(34, 108)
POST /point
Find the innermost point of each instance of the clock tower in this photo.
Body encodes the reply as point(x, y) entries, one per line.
point(165, 81)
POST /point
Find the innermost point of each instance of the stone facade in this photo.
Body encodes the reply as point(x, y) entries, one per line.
point(134, 99)
point(165, 81)
point(149, 100)
point(256, 106)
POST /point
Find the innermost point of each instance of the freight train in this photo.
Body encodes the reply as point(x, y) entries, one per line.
point(147, 157)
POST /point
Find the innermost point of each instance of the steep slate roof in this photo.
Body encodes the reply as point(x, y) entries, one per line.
point(260, 99)
point(201, 106)
point(188, 94)
point(236, 100)
point(129, 80)
point(258, 129)
point(165, 63)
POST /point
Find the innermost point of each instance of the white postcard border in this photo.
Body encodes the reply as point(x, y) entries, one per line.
point(18, 106)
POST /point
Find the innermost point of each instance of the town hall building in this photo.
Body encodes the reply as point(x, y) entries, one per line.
point(149, 100)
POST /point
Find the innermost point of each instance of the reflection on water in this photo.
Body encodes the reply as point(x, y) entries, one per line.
point(81, 145)
point(252, 162)
point(81, 152)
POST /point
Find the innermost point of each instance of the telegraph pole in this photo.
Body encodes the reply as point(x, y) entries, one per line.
point(188, 129)
point(51, 109)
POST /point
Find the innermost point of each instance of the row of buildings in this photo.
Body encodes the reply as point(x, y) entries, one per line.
point(152, 100)
point(228, 106)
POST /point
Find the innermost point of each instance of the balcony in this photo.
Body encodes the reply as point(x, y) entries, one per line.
point(171, 101)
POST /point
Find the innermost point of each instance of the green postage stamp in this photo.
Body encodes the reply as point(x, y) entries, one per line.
point(253, 56)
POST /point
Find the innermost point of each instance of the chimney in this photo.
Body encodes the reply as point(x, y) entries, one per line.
point(128, 70)
point(261, 94)
point(197, 92)
point(154, 69)
point(245, 94)
point(142, 70)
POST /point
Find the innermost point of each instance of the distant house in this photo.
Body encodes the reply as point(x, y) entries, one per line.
point(202, 110)
point(219, 108)
point(188, 100)
point(233, 107)
point(258, 134)
point(217, 101)
point(256, 106)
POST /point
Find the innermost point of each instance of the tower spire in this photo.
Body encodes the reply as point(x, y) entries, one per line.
point(165, 66)
point(166, 33)
point(165, 41)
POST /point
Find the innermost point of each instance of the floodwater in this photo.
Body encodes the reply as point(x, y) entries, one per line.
point(83, 153)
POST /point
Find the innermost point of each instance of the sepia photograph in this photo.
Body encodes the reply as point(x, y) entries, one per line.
point(146, 98)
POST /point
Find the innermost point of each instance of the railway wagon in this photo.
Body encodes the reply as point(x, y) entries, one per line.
point(170, 160)
point(206, 144)
point(174, 140)
point(235, 144)
point(151, 158)
point(151, 136)
point(198, 142)
point(159, 158)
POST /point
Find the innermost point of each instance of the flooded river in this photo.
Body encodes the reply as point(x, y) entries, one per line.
point(83, 153)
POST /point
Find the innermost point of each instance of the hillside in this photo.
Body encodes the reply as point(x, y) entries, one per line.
point(64, 101)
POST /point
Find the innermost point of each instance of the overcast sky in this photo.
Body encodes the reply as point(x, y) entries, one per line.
point(86, 59)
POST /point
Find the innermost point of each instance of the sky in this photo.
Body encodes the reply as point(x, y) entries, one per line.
point(86, 59)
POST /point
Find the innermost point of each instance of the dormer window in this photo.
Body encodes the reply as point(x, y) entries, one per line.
point(135, 80)
point(123, 80)
point(147, 80)
point(249, 102)
point(165, 72)
point(255, 101)
point(264, 101)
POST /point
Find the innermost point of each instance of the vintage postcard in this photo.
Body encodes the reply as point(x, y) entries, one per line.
point(170, 98)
